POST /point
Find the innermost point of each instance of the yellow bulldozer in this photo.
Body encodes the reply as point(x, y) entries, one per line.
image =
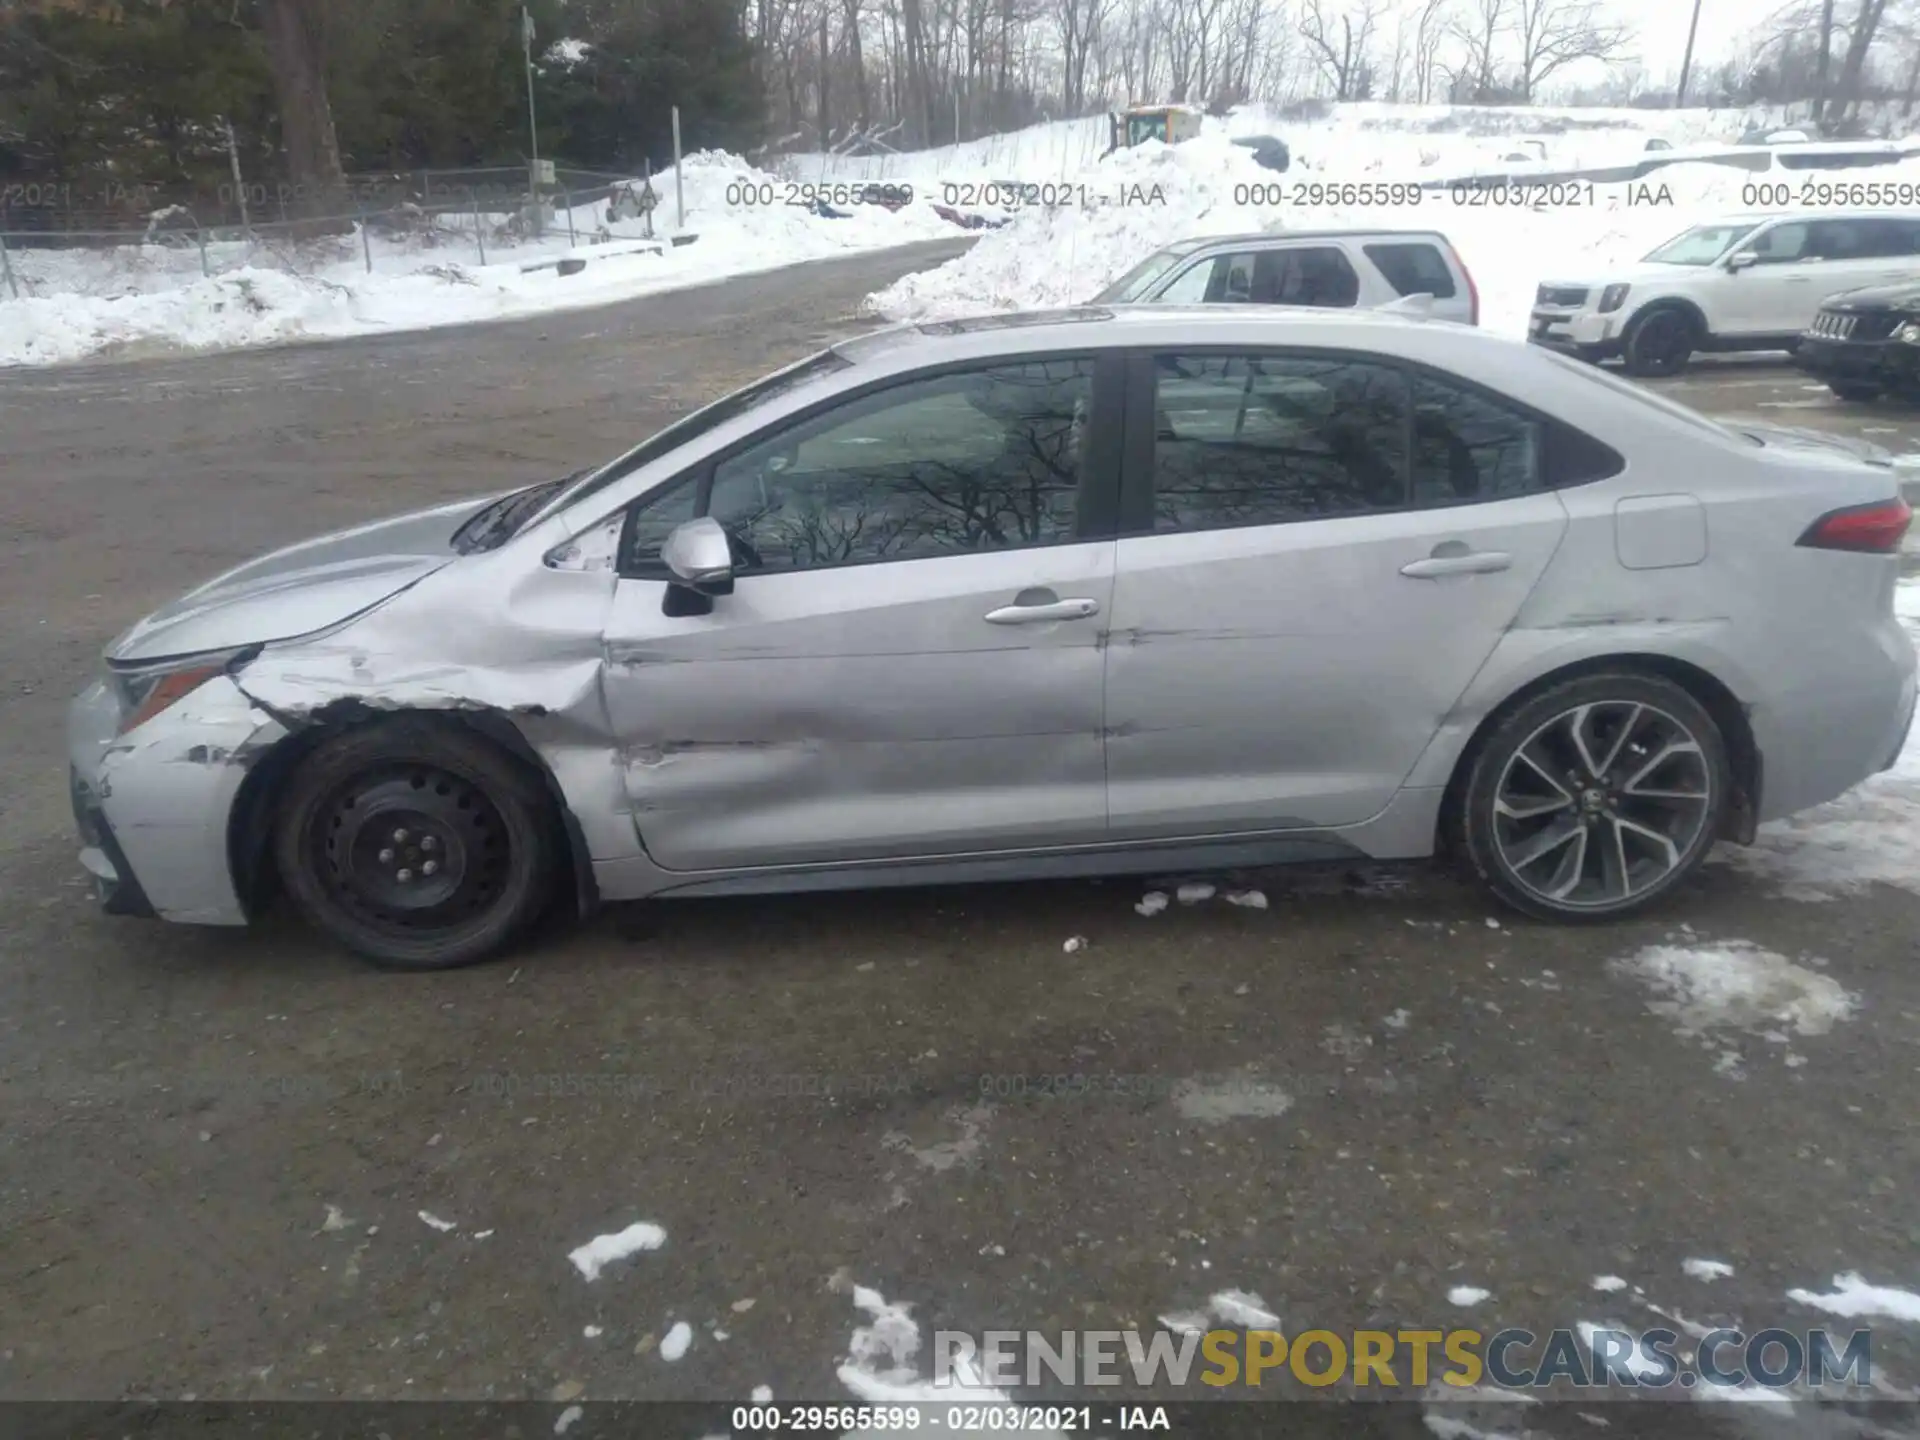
point(1169, 124)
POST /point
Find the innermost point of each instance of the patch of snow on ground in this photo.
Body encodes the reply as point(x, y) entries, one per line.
point(1708, 1270)
point(1194, 892)
point(1245, 1309)
point(945, 1154)
point(761, 1394)
point(1640, 1366)
point(674, 1344)
point(1608, 1282)
point(1853, 1297)
point(601, 1251)
point(1238, 1098)
point(1248, 899)
point(1151, 903)
point(1467, 1295)
point(1736, 985)
point(567, 1418)
point(880, 1368)
point(427, 1217)
point(1870, 835)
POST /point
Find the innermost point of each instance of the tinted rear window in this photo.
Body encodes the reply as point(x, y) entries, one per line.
point(1413, 268)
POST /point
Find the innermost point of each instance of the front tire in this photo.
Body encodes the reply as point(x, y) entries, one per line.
point(1854, 391)
point(1660, 342)
point(1594, 798)
point(416, 845)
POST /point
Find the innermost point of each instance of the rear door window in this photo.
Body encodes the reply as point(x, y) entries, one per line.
point(1270, 439)
point(1413, 268)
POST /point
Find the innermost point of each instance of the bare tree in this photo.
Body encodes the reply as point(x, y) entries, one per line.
point(1429, 34)
point(1479, 32)
point(1343, 51)
point(1554, 33)
point(1080, 22)
point(1821, 65)
point(1866, 24)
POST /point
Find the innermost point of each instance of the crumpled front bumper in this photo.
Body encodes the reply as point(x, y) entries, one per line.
point(152, 806)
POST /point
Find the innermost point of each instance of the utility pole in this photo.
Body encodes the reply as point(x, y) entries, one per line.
point(1686, 62)
point(533, 123)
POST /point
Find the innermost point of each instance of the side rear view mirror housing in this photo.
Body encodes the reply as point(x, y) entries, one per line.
point(1742, 260)
point(700, 557)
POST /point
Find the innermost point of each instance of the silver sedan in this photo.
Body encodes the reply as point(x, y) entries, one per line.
point(1091, 592)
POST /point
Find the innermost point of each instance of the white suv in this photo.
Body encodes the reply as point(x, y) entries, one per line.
point(1325, 269)
point(1748, 282)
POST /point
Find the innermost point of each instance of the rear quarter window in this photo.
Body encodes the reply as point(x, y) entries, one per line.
point(1413, 267)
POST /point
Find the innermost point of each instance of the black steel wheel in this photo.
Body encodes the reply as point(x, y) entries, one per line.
point(416, 845)
point(1660, 342)
point(1595, 797)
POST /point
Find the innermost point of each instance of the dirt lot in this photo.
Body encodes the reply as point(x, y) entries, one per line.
point(216, 1148)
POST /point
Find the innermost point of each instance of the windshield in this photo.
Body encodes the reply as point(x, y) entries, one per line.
point(1140, 279)
point(1146, 127)
point(1701, 245)
point(728, 407)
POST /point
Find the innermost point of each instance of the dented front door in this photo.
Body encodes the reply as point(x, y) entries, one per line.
point(861, 713)
point(910, 662)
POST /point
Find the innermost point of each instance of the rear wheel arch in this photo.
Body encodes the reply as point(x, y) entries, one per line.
point(250, 822)
point(1711, 693)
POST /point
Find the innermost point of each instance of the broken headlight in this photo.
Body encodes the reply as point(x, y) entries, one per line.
point(145, 691)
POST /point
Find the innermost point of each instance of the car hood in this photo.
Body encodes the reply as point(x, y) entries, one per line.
point(1904, 297)
point(1632, 272)
point(303, 588)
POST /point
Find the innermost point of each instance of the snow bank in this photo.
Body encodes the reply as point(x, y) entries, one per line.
point(1154, 194)
point(79, 303)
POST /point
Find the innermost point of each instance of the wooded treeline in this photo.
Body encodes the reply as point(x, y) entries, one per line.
point(176, 93)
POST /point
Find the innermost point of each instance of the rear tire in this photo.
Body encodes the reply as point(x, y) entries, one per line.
point(1853, 391)
point(416, 845)
point(1659, 342)
point(1594, 798)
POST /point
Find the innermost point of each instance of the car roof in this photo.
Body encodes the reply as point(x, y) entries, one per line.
point(1105, 327)
point(1269, 237)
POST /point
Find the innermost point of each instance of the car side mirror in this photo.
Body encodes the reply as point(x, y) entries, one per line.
point(1742, 260)
point(700, 557)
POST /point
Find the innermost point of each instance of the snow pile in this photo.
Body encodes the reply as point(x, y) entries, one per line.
point(1737, 986)
point(153, 298)
point(1869, 835)
point(1144, 198)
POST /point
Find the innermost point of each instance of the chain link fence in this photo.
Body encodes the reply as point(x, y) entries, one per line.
point(58, 238)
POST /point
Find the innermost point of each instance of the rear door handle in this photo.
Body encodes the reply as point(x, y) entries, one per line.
point(1037, 607)
point(1476, 562)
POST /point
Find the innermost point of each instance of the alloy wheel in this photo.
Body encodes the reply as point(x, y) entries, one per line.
point(1601, 803)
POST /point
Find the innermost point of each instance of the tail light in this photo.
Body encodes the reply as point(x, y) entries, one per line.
point(1473, 291)
point(1875, 529)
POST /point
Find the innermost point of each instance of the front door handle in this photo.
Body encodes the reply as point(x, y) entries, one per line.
point(1472, 562)
point(1040, 605)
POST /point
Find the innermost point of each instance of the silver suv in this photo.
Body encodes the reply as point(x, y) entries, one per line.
point(1327, 269)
